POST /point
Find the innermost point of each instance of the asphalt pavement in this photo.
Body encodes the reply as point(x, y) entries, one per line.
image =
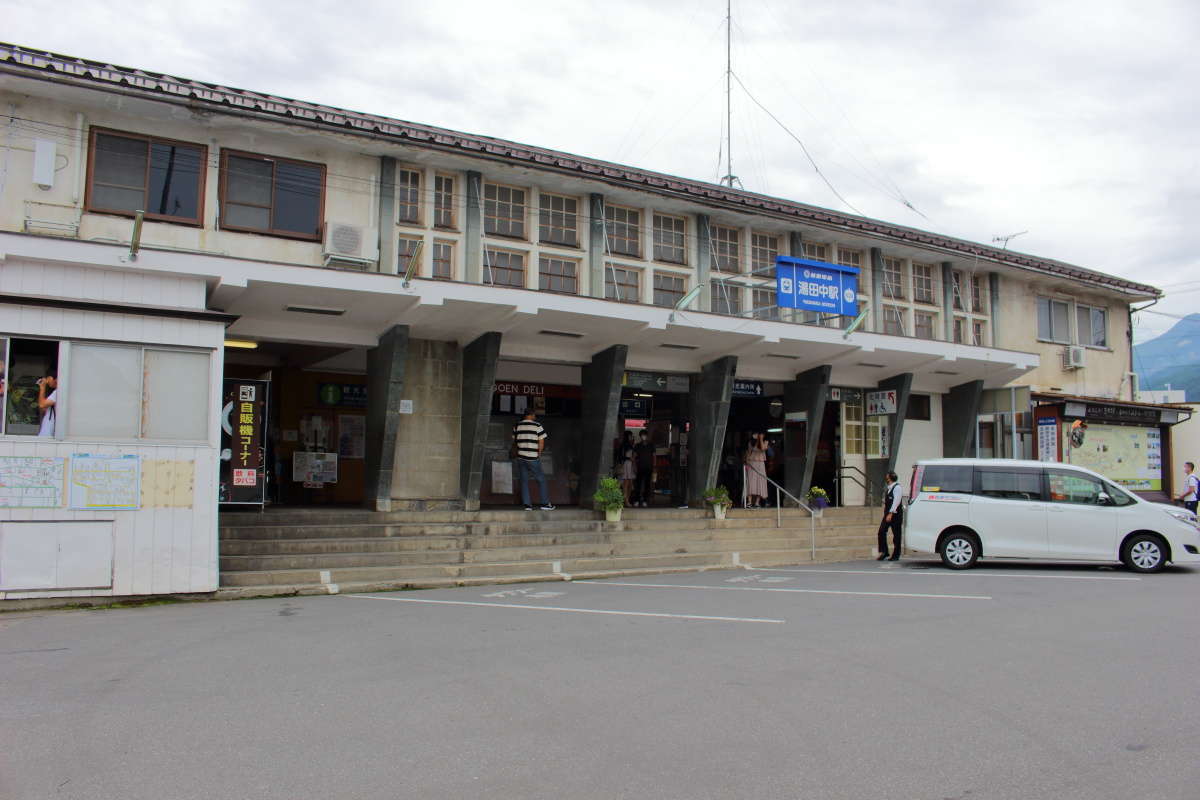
point(861, 680)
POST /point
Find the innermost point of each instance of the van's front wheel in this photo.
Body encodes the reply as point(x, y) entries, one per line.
point(959, 550)
point(1144, 553)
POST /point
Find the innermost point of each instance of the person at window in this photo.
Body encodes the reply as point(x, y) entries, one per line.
point(892, 514)
point(643, 456)
point(626, 472)
point(530, 438)
point(1191, 487)
point(756, 471)
point(47, 401)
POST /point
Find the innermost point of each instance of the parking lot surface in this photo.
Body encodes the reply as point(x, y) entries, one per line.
point(862, 680)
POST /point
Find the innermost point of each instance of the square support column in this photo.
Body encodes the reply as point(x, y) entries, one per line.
point(876, 290)
point(704, 259)
point(948, 300)
point(807, 394)
point(385, 385)
point(960, 419)
point(479, 360)
point(878, 467)
point(473, 228)
point(601, 407)
point(711, 392)
point(596, 247)
point(387, 215)
point(994, 305)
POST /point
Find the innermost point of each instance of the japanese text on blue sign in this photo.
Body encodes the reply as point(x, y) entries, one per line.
point(816, 286)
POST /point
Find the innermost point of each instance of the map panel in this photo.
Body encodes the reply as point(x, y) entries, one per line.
point(1129, 456)
point(105, 482)
point(31, 482)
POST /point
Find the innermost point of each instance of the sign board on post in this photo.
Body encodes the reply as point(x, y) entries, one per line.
point(242, 472)
point(745, 388)
point(816, 286)
point(881, 402)
point(657, 382)
point(1047, 439)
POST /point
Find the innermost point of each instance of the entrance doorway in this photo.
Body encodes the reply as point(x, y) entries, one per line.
point(666, 417)
point(749, 416)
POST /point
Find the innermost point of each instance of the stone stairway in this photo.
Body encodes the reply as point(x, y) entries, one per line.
point(319, 551)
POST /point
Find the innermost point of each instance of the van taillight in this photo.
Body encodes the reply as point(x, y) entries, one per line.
point(917, 472)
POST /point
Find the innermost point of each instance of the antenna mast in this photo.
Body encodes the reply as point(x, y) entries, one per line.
point(729, 178)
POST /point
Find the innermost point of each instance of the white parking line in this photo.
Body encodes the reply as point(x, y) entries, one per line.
point(793, 591)
point(569, 610)
point(964, 574)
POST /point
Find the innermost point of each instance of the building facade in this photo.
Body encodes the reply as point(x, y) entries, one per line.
point(404, 293)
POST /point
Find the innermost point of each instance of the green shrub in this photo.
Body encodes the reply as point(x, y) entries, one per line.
point(609, 496)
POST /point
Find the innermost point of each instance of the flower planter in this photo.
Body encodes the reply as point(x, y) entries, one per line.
point(719, 511)
point(612, 515)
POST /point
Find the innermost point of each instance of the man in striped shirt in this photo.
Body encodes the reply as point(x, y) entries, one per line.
point(530, 438)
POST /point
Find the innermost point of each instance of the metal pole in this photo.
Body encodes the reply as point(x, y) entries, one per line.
point(728, 89)
point(1012, 408)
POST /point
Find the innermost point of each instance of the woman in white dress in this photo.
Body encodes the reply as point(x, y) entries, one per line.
point(625, 468)
point(756, 471)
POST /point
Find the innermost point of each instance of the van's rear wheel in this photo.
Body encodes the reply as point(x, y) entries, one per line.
point(959, 550)
point(1144, 553)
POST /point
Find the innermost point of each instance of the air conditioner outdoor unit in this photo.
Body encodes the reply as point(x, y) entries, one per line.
point(1073, 357)
point(351, 246)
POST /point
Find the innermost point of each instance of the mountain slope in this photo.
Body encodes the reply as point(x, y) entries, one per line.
point(1172, 358)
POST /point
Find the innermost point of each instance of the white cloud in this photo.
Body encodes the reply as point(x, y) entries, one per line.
point(1073, 120)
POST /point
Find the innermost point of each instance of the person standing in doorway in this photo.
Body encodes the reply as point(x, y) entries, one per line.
point(625, 469)
point(756, 471)
point(1191, 487)
point(643, 456)
point(530, 439)
point(892, 517)
point(47, 402)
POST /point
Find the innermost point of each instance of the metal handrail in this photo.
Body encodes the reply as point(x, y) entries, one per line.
point(779, 490)
point(866, 483)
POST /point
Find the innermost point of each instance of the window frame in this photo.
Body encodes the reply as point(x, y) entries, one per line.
point(1050, 334)
point(543, 275)
point(1091, 309)
point(901, 316)
point(899, 282)
point(490, 267)
point(726, 244)
point(928, 283)
point(758, 248)
point(524, 218)
point(769, 311)
point(450, 208)
point(675, 297)
point(611, 271)
point(661, 233)
point(822, 247)
point(433, 260)
point(932, 317)
point(609, 236)
point(418, 244)
point(544, 212)
point(281, 234)
point(977, 482)
point(89, 207)
point(734, 294)
point(407, 188)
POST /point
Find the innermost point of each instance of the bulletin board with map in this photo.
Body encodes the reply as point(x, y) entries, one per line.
point(1131, 456)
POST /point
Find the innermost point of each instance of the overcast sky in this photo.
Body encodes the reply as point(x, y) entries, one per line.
point(1074, 120)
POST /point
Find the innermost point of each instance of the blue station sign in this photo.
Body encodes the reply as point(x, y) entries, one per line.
point(816, 286)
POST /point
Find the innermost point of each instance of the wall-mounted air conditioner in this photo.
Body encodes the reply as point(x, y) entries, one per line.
point(1074, 357)
point(351, 246)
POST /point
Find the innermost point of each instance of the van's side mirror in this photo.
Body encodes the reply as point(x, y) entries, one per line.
point(1103, 499)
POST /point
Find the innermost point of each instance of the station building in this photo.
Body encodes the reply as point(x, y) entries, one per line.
point(257, 299)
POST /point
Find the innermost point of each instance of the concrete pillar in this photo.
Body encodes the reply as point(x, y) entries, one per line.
point(601, 407)
point(711, 391)
point(597, 246)
point(473, 228)
point(796, 250)
point(387, 214)
point(385, 385)
point(960, 414)
point(948, 301)
point(994, 303)
point(806, 394)
point(878, 467)
point(704, 259)
point(479, 360)
point(876, 290)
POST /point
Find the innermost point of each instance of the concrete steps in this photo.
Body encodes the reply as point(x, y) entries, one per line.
point(319, 551)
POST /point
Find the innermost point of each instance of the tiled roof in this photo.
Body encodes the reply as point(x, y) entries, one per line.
point(15, 59)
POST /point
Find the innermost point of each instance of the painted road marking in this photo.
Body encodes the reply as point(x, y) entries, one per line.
point(794, 591)
point(534, 593)
point(568, 610)
point(757, 579)
point(964, 574)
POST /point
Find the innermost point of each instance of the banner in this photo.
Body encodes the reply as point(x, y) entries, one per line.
point(243, 470)
point(816, 286)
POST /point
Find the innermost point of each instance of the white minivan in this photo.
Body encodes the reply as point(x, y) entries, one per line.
point(967, 508)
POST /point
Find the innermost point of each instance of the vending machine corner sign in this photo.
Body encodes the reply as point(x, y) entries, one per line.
point(816, 286)
point(242, 472)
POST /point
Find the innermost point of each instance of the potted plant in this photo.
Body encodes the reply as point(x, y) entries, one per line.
point(610, 499)
point(818, 499)
point(718, 498)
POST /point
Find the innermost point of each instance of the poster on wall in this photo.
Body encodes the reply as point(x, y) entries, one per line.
point(109, 483)
point(1047, 439)
point(309, 468)
point(28, 482)
point(502, 477)
point(242, 473)
point(1127, 455)
point(352, 435)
